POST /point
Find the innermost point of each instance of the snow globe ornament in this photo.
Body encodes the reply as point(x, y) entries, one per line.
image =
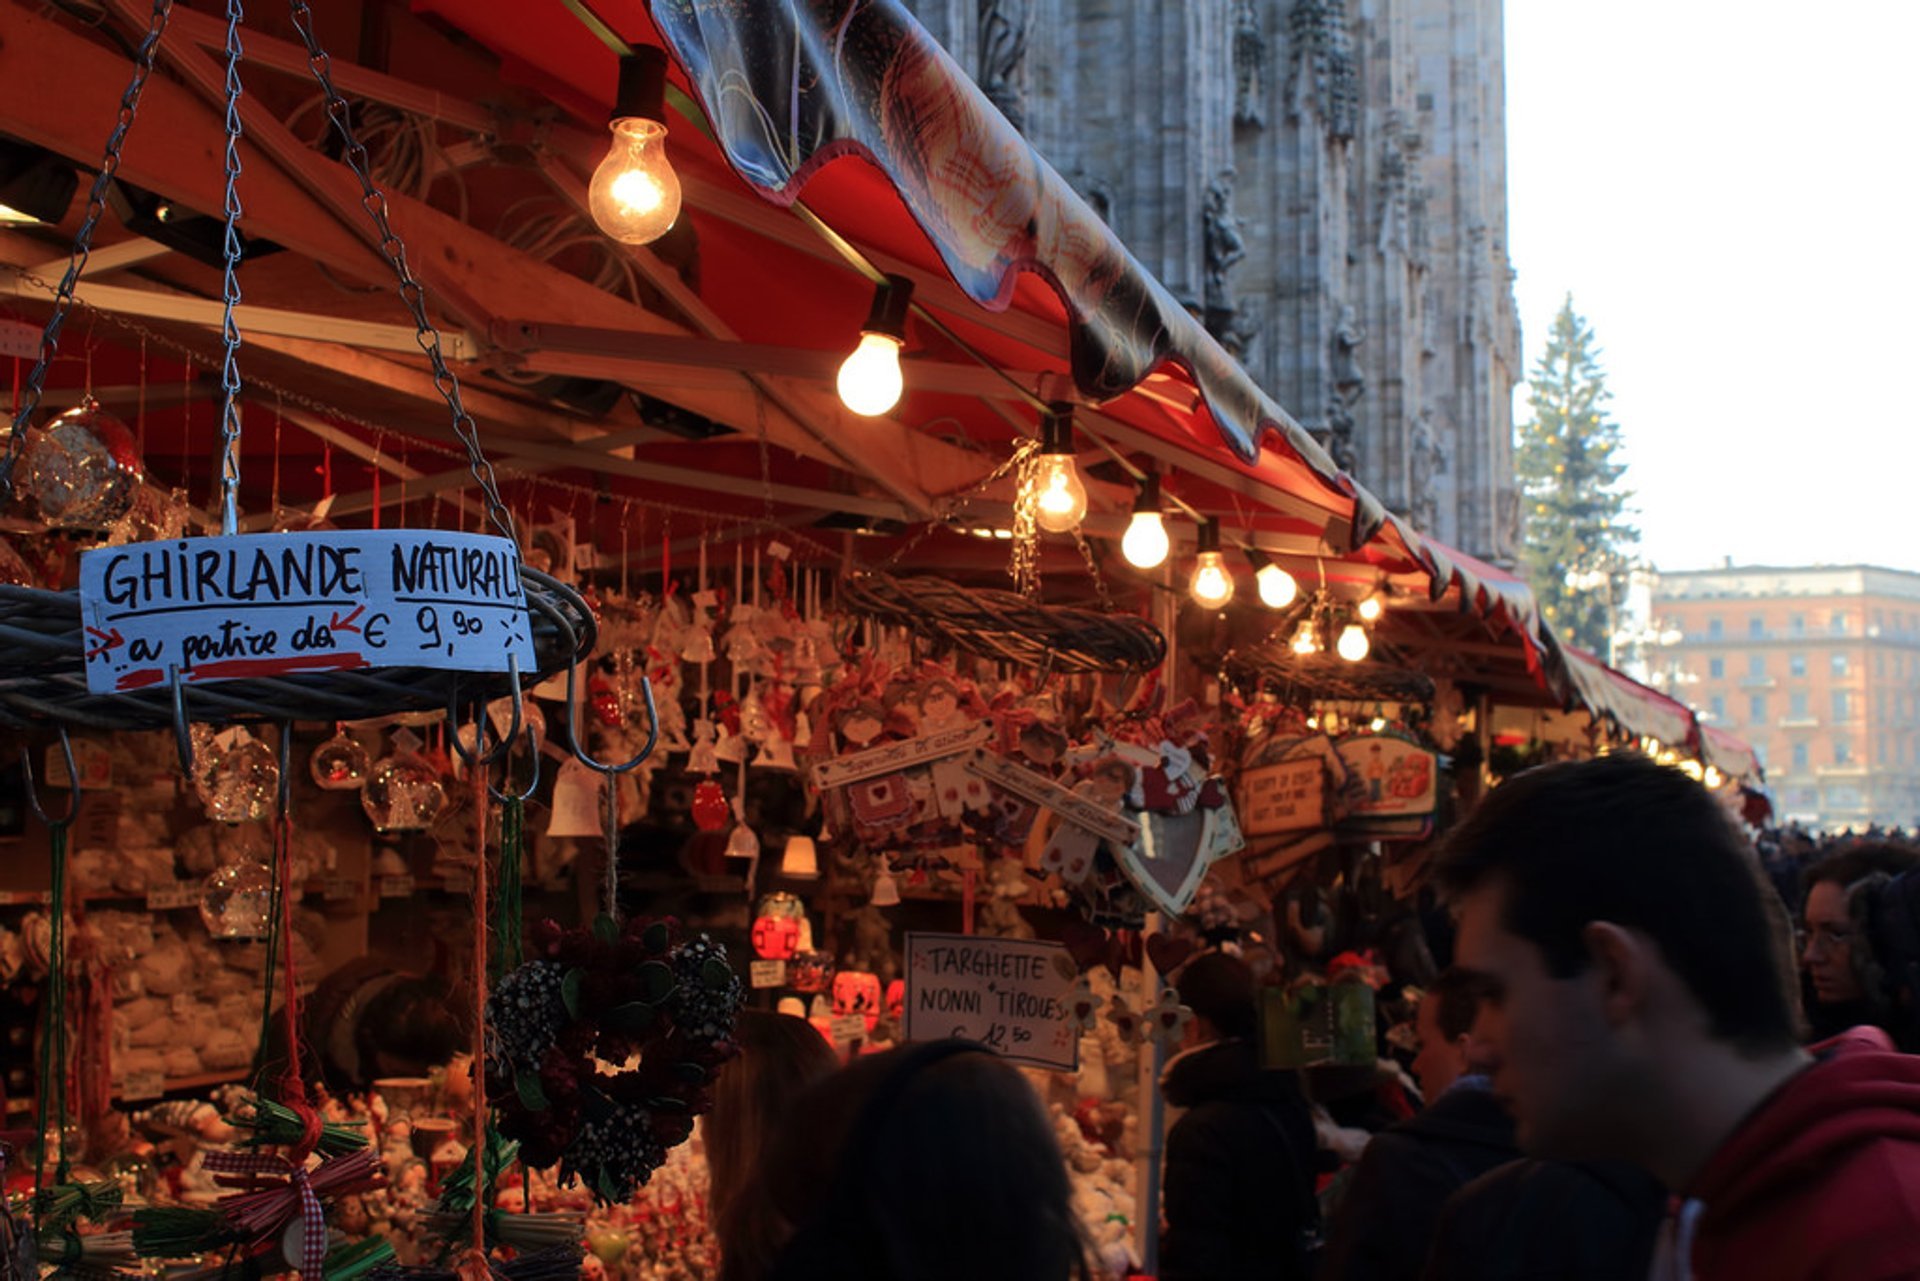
point(340, 764)
point(237, 778)
point(403, 793)
point(238, 901)
point(82, 468)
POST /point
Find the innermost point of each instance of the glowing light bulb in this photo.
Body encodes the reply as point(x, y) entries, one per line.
point(1212, 585)
point(1146, 544)
point(870, 381)
point(1714, 777)
point(1277, 588)
point(1353, 643)
point(1305, 642)
point(1371, 609)
point(1061, 500)
point(1377, 724)
point(635, 195)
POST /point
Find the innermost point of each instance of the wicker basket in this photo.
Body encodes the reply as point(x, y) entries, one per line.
point(1007, 627)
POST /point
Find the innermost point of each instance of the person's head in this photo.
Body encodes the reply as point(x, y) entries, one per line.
point(932, 1163)
point(1219, 990)
point(780, 1057)
point(409, 1027)
point(1832, 946)
point(1451, 1042)
point(1625, 933)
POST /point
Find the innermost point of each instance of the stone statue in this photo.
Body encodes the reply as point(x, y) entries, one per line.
point(1004, 25)
point(1349, 380)
point(1224, 247)
point(1249, 66)
point(1323, 78)
point(1337, 437)
point(1426, 461)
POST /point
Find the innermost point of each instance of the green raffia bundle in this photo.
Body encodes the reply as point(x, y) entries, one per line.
point(68, 1250)
point(355, 1259)
point(275, 1124)
point(521, 1231)
point(176, 1232)
point(456, 1189)
point(60, 1204)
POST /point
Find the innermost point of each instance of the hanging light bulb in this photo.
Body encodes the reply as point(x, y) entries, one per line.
point(1371, 608)
point(1212, 585)
point(634, 196)
point(870, 381)
point(1306, 641)
point(1059, 497)
point(1145, 544)
point(1277, 587)
point(1353, 643)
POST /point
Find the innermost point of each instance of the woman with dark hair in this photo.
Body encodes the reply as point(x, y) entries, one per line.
point(933, 1163)
point(780, 1057)
point(1848, 988)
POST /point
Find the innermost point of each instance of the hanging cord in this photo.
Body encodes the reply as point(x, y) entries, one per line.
point(83, 242)
point(507, 910)
point(53, 1042)
point(230, 291)
point(475, 1264)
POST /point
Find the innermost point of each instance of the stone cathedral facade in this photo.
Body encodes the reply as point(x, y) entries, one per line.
point(1325, 182)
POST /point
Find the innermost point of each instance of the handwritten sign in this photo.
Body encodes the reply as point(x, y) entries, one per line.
point(340, 889)
point(178, 895)
point(139, 1086)
point(276, 604)
point(891, 758)
point(765, 974)
point(1047, 794)
point(1394, 778)
point(394, 886)
point(1285, 797)
point(1010, 995)
point(847, 1028)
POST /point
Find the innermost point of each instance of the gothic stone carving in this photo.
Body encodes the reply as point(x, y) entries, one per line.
point(1249, 66)
point(1004, 25)
point(1224, 247)
point(1426, 462)
point(1322, 78)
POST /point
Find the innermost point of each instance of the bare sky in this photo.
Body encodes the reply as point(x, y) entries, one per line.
point(1728, 190)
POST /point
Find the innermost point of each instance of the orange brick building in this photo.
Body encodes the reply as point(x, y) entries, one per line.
point(1817, 668)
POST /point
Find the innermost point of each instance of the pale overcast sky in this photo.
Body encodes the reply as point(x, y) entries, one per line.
point(1728, 190)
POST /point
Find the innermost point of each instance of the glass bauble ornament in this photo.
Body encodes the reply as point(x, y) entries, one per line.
point(710, 808)
point(403, 793)
point(340, 764)
point(237, 778)
point(238, 901)
point(82, 468)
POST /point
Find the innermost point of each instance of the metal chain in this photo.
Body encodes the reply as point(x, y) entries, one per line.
point(83, 242)
point(1093, 571)
point(1025, 566)
point(230, 291)
point(959, 501)
point(412, 292)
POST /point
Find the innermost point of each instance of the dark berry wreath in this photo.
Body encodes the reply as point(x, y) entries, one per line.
point(602, 1046)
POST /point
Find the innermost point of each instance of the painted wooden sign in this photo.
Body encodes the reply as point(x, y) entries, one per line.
point(891, 758)
point(1047, 794)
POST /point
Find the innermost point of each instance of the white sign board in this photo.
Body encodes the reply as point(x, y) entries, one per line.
point(276, 604)
point(1010, 995)
point(891, 758)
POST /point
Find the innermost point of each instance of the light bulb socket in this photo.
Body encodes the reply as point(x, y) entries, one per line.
point(1258, 559)
point(1209, 535)
point(888, 315)
point(642, 94)
point(1147, 501)
point(1056, 429)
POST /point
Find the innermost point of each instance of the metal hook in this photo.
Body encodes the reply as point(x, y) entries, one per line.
point(573, 729)
point(533, 784)
point(480, 757)
point(62, 823)
point(182, 735)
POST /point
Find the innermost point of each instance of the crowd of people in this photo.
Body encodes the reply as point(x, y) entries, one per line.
point(1656, 1054)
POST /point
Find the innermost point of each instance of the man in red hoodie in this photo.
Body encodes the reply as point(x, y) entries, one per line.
point(1640, 1011)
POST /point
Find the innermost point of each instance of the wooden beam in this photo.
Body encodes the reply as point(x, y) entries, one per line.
point(118, 256)
point(385, 460)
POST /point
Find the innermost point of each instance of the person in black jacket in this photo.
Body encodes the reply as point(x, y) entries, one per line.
point(1550, 1221)
point(1237, 1190)
point(1385, 1225)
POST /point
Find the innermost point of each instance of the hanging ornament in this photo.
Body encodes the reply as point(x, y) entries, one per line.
point(403, 793)
point(710, 808)
point(237, 902)
point(82, 469)
point(238, 779)
point(340, 764)
point(777, 927)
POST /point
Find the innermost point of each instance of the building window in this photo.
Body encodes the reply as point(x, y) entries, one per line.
point(1797, 705)
point(1842, 752)
point(1839, 623)
point(1796, 625)
point(1799, 756)
point(1842, 705)
point(1716, 668)
point(1879, 664)
point(1718, 703)
point(1715, 628)
point(1757, 709)
point(1756, 664)
point(1839, 660)
point(1796, 664)
point(1756, 627)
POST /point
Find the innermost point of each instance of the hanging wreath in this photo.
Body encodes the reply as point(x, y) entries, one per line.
point(602, 1047)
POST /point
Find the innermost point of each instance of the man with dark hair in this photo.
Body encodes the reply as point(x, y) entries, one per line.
point(1238, 1187)
point(1838, 953)
point(1386, 1222)
point(1639, 1011)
